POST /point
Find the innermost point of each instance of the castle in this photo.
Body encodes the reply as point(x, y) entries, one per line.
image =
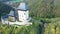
point(18, 16)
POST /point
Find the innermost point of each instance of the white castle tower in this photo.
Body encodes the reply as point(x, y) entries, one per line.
point(23, 12)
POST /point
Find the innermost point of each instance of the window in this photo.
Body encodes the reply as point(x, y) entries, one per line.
point(24, 13)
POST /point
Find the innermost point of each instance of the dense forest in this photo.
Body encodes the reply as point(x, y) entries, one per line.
point(45, 18)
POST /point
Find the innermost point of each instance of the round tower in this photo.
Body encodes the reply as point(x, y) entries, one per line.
point(23, 12)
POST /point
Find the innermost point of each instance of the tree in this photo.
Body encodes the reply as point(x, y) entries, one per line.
point(42, 10)
point(50, 12)
point(4, 9)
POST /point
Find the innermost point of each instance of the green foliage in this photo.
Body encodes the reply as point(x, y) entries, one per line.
point(44, 8)
point(45, 20)
point(32, 29)
point(41, 11)
point(4, 9)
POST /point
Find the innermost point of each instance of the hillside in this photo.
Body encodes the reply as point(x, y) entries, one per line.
point(45, 16)
point(37, 7)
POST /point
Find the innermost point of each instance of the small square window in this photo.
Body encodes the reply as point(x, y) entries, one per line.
point(24, 13)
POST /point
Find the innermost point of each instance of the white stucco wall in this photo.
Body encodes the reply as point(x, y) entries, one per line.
point(23, 15)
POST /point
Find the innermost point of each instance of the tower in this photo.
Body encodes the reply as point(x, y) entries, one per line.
point(23, 12)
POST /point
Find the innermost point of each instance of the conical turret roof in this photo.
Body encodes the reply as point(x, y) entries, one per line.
point(23, 6)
